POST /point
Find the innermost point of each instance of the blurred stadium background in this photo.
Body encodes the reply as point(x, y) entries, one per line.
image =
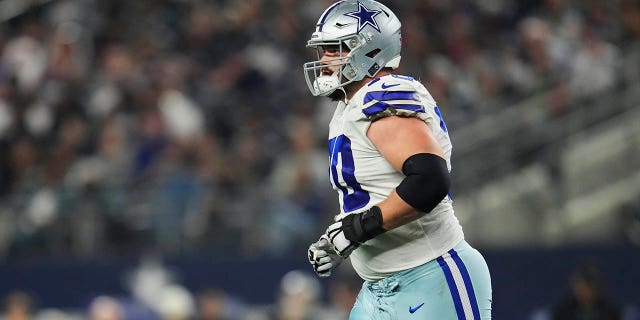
point(164, 159)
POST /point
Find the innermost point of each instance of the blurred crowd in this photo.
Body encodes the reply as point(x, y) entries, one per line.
point(154, 294)
point(186, 126)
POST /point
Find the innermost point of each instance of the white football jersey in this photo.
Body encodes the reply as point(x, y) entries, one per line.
point(363, 177)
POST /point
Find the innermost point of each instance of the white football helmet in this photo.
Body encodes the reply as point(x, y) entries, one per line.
point(368, 30)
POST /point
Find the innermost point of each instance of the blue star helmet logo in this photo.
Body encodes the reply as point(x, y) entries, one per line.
point(365, 17)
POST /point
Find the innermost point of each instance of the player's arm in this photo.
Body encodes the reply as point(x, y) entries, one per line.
point(408, 144)
point(410, 147)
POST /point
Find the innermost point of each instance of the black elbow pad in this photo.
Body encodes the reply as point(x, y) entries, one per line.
point(426, 183)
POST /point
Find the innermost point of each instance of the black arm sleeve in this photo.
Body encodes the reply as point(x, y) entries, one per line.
point(426, 183)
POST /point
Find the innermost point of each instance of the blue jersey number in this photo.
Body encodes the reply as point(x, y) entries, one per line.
point(352, 194)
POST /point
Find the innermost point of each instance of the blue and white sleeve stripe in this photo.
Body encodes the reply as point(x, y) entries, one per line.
point(390, 95)
point(380, 101)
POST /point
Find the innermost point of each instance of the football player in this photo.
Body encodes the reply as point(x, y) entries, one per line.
point(389, 158)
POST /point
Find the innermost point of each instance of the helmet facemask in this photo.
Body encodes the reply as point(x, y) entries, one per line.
point(322, 84)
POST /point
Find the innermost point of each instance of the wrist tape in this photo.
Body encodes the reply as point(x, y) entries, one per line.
point(360, 227)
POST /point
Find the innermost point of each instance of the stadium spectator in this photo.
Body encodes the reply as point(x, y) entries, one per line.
point(216, 304)
point(105, 308)
point(299, 297)
point(587, 299)
point(18, 305)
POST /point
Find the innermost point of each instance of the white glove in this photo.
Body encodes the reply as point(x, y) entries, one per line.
point(339, 241)
point(323, 257)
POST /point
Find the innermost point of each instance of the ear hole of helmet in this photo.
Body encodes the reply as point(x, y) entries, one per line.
point(373, 53)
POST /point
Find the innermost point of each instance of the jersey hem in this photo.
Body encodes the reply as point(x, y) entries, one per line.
point(413, 264)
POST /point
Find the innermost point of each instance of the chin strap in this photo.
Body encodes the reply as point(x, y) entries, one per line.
point(345, 100)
